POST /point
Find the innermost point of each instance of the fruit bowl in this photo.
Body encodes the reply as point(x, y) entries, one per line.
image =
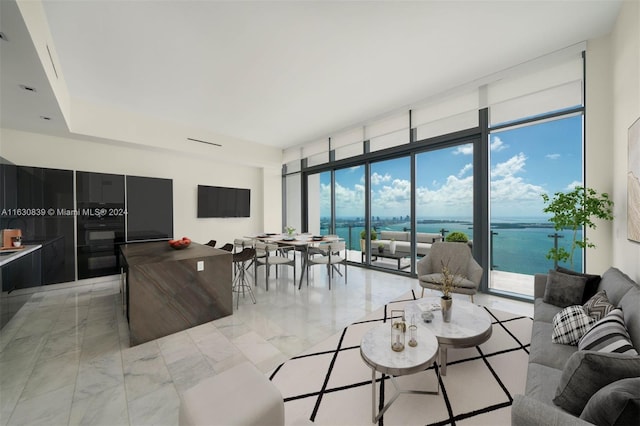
point(180, 244)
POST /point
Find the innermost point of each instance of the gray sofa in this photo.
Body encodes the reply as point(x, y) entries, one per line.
point(402, 239)
point(547, 360)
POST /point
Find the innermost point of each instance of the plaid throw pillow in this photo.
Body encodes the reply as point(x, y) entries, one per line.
point(598, 306)
point(608, 335)
point(570, 324)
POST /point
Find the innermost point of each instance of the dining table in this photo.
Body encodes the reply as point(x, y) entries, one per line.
point(300, 242)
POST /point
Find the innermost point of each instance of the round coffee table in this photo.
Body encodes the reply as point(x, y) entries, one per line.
point(376, 352)
point(470, 325)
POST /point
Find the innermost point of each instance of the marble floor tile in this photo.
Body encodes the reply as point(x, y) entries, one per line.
point(189, 371)
point(99, 374)
point(145, 375)
point(157, 408)
point(48, 408)
point(50, 374)
point(65, 356)
point(108, 407)
point(177, 346)
point(61, 343)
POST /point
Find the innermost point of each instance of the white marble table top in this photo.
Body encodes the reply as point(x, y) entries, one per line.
point(376, 351)
point(470, 324)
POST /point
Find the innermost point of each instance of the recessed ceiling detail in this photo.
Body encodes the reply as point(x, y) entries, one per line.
point(201, 141)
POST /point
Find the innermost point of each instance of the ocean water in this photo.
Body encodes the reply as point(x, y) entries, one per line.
point(517, 245)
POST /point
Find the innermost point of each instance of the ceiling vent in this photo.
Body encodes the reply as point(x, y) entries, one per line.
point(28, 88)
point(201, 141)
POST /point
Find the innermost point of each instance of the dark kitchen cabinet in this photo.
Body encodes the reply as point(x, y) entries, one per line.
point(100, 222)
point(8, 186)
point(39, 202)
point(149, 208)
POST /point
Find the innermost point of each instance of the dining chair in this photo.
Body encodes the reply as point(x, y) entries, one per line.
point(270, 254)
point(330, 255)
point(227, 247)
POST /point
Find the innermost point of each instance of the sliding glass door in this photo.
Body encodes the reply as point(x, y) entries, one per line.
point(350, 208)
point(526, 162)
point(391, 213)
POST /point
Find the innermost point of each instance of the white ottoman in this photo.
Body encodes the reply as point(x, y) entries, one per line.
point(241, 395)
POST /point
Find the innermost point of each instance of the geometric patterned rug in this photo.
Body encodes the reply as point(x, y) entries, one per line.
point(329, 384)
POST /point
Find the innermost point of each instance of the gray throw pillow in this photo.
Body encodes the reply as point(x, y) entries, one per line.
point(598, 306)
point(590, 287)
point(618, 403)
point(564, 290)
point(586, 372)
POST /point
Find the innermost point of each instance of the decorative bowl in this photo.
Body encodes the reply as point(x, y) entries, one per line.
point(180, 244)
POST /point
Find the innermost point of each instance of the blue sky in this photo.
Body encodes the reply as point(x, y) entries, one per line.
point(525, 163)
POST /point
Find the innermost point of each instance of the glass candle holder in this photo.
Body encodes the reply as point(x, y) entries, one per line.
point(413, 332)
point(398, 330)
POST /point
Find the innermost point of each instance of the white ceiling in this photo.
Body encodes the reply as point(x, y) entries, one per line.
point(283, 73)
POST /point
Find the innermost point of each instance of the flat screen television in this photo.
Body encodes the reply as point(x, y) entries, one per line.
point(218, 201)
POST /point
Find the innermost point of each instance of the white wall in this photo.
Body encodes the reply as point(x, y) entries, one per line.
point(625, 48)
point(598, 153)
point(186, 170)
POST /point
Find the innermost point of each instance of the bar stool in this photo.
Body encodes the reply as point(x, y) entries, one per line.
point(240, 282)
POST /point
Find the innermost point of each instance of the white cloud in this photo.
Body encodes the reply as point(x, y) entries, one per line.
point(552, 156)
point(510, 167)
point(572, 185)
point(510, 194)
point(464, 149)
point(497, 145)
point(377, 179)
point(465, 169)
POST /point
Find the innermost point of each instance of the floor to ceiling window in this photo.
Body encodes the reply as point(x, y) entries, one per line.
point(391, 211)
point(350, 208)
point(319, 203)
point(526, 162)
point(444, 191)
point(475, 161)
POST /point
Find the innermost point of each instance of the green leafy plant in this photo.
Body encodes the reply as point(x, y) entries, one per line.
point(574, 210)
point(457, 237)
point(374, 234)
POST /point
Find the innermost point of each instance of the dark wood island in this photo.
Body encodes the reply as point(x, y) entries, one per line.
point(165, 293)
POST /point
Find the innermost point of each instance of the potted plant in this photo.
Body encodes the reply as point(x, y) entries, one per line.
point(363, 235)
point(290, 230)
point(457, 237)
point(449, 283)
point(574, 210)
point(381, 248)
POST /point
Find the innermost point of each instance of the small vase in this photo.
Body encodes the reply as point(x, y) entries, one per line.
point(446, 306)
point(392, 247)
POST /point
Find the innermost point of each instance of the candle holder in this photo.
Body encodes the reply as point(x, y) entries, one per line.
point(398, 330)
point(413, 332)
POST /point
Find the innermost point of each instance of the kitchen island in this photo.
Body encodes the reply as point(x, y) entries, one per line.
point(165, 292)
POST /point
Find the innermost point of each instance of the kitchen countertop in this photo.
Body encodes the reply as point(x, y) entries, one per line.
point(8, 256)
